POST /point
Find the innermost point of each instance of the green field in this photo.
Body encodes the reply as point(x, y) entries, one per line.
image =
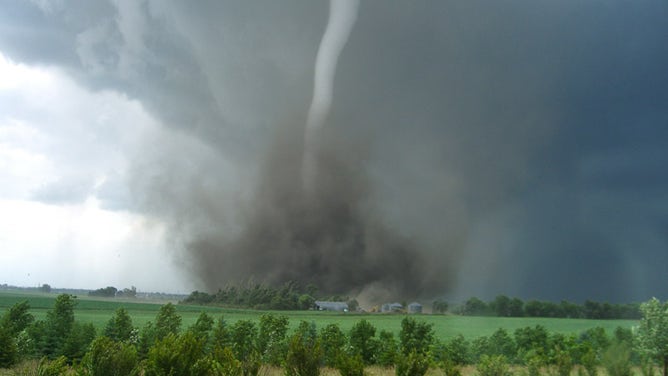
point(98, 311)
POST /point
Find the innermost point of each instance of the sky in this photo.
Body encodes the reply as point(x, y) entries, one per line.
point(514, 147)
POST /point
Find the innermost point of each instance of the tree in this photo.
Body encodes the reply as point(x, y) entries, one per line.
point(439, 306)
point(109, 358)
point(457, 350)
point(58, 324)
point(362, 341)
point(174, 355)
point(412, 364)
point(222, 336)
point(243, 336)
point(653, 332)
point(496, 365)
point(304, 352)
point(202, 327)
point(501, 343)
point(107, 292)
point(45, 288)
point(8, 350)
point(119, 327)
point(77, 342)
point(415, 336)
point(167, 321)
point(387, 349)
point(501, 306)
point(474, 307)
point(516, 307)
point(531, 339)
point(333, 342)
point(271, 341)
point(17, 318)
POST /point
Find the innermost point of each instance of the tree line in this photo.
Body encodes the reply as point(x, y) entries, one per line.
point(503, 306)
point(290, 296)
point(215, 347)
point(113, 292)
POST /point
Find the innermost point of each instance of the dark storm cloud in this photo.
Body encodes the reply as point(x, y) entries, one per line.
point(512, 147)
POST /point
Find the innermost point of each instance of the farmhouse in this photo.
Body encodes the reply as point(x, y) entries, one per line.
point(331, 306)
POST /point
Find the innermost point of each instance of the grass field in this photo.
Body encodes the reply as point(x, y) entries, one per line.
point(98, 311)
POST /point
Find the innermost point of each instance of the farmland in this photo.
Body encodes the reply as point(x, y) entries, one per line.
point(98, 311)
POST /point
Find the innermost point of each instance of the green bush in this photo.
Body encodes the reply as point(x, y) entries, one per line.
point(9, 354)
point(415, 336)
point(229, 365)
point(333, 342)
point(563, 363)
point(494, 365)
point(458, 350)
point(109, 358)
point(616, 360)
point(350, 365)
point(362, 340)
point(590, 362)
point(412, 364)
point(271, 340)
point(78, 341)
point(54, 367)
point(387, 349)
point(167, 321)
point(304, 352)
point(119, 327)
point(174, 355)
point(450, 368)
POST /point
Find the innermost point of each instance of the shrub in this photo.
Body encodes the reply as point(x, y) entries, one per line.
point(387, 349)
point(450, 368)
point(458, 350)
point(563, 363)
point(119, 327)
point(304, 352)
point(229, 365)
point(54, 367)
point(174, 355)
point(8, 350)
point(362, 341)
point(221, 334)
point(332, 341)
point(78, 341)
point(590, 362)
point(243, 336)
point(415, 336)
point(616, 360)
point(271, 339)
point(167, 321)
point(412, 364)
point(109, 358)
point(350, 365)
point(17, 318)
point(494, 365)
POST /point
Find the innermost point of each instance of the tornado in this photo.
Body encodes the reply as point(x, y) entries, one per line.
point(342, 16)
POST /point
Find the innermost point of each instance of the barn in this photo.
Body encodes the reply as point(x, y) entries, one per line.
point(415, 307)
point(391, 307)
point(331, 306)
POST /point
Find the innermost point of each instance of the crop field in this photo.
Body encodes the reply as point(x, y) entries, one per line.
point(98, 311)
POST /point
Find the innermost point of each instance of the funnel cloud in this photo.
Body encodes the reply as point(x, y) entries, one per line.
point(342, 15)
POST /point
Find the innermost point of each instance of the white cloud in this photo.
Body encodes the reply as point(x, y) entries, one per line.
point(64, 155)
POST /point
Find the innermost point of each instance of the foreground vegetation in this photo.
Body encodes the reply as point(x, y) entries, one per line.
point(213, 346)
